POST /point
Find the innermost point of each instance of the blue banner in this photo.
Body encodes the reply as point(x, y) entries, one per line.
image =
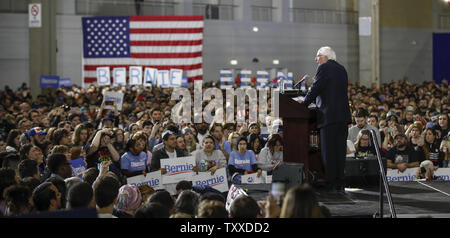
point(441, 56)
point(49, 81)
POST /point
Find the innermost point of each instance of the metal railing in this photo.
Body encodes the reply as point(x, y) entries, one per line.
point(444, 21)
point(262, 13)
point(214, 11)
point(383, 181)
point(323, 16)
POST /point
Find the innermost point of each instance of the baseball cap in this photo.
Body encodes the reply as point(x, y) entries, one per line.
point(36, 131)
point(430, 125)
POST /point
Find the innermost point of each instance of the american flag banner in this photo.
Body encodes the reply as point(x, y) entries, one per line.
point(161, 42)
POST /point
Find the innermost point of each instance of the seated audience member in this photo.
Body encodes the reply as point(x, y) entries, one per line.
point(207, 158)
point(212, 209)
point(402, 155)
point(255, 144)
point(300, 202)
point(361, 123)
point(363, 146)
point(106, 189)
point(187, 204)
point(390, 133)
point(8, 177)
point(189, 140)
point(146, 192)
point(245, 207)
point(59, 166)
point(80, 195)
point(169, 150)
point(61, 137)
point(152, 210)
point(102, 149)
point(444, 123)
point(181, 144)
point(272, 154)
point(28, 168)
point(142, 138)
point(231, 142)
point(134, 161)
point(128, 201)
point(431, 148)
point(164, 198)
point(30, 182)
point(46, 197)
point(18, 200)
point(243, 161)
point(426, 171)
point(414, 133)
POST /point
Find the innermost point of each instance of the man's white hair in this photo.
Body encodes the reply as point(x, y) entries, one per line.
point(328, 52)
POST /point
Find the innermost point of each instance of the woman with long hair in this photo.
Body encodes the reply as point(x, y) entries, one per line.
point(207, 158)
point(13, 141)
point(431, 148)
point(300, 202)
point(255, 143)
point(363, 145)
point(272, 154)
point(80, 135)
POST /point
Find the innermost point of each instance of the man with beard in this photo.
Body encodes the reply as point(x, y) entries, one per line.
point(37, 136)
point(202, 130)
point(402, 155)
point(361, 124)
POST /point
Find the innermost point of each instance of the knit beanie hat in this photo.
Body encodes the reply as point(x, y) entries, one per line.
point(129, 198)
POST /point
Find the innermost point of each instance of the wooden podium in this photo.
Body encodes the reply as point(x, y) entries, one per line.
point(298, 124)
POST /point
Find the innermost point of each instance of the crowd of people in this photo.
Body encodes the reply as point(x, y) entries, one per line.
point(39, 137)
point(410, 121)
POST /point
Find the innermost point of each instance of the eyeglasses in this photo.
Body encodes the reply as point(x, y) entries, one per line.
point(318, 56)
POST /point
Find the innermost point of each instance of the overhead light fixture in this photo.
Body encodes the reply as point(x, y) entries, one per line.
point(255, 29)
point(275, 61)
point(233, 62)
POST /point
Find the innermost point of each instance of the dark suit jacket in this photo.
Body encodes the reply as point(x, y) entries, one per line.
point(161, 153)
point(330, 92)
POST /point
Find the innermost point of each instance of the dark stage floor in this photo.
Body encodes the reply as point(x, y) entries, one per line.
point(411, 199)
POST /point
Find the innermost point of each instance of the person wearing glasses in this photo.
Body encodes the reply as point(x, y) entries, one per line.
point(364, 147)
point(329, 92)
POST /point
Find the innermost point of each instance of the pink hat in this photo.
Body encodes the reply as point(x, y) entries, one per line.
point(129, 198)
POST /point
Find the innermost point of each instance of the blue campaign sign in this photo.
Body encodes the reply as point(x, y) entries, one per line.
point(78, 167)
point(184, 82)
point(65, 82)
point(49, 81)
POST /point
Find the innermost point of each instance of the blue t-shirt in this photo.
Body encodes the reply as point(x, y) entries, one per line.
point(227, 146)
point(132, 162)
point(242, 161)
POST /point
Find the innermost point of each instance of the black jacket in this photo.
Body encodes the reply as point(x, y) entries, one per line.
point(330, 92)
point(161, 153)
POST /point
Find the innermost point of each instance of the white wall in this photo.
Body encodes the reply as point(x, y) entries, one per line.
point(406, 52)
point(14, 53)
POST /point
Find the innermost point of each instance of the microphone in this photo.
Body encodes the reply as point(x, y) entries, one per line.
point(301, 80)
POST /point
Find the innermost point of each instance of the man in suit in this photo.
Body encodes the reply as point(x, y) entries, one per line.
point(169, 150)
point(329, 91)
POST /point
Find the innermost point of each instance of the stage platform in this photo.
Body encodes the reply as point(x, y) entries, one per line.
point(412, 199)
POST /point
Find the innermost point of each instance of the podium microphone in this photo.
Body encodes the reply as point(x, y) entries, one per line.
point(301, 80)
